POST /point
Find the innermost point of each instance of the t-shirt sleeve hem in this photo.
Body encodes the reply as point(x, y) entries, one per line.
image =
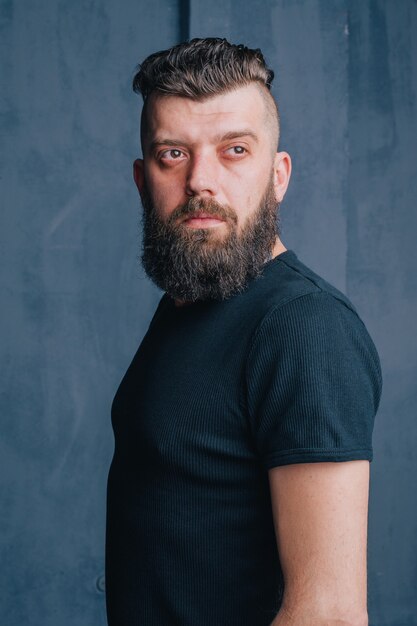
point(305, 455)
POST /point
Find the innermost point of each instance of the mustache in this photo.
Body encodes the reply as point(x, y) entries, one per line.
point(207, 205)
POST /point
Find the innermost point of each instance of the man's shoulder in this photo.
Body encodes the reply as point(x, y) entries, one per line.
point(286, 279)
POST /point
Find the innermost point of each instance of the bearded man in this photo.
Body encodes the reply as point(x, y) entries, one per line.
point(238, 491)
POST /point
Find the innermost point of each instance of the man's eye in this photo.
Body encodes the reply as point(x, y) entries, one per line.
point(236, 150)
point(171, 155)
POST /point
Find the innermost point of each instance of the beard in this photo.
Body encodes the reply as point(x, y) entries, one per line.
point(203, 264)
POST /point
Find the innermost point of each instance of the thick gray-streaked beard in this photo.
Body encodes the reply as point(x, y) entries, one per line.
point(200, 263)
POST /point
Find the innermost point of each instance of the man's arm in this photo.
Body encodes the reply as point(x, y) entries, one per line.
point(320, 515)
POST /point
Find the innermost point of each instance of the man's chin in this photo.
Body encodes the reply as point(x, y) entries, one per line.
point(210, 235)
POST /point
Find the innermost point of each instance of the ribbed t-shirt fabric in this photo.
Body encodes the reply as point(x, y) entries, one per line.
point(218, 393)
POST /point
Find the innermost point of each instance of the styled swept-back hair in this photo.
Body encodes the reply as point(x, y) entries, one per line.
point(202, 68)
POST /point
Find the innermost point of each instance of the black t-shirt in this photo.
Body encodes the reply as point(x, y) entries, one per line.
point(218, 393)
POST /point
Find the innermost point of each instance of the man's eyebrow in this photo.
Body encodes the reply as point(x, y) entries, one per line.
point(233, 134)
point(166, 142)
point(237, 134)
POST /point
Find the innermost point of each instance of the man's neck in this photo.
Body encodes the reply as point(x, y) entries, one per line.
point(278, 248)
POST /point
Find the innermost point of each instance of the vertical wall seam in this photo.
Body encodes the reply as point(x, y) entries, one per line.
point(348, 153)
point(184, 19)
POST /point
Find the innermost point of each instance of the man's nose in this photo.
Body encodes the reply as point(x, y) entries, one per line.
point(202, 176)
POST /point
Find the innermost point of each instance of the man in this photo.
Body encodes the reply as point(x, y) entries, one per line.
point(238, 491)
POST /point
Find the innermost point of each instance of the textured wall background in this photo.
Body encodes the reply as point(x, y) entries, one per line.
point(75, 302)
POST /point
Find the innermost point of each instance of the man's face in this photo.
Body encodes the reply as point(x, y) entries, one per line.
point(210, 186)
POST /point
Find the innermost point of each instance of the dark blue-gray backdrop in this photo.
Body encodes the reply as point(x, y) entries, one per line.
point(75, 302)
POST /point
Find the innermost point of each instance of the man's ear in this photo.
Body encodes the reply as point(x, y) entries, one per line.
point(139, 175)
point(282, 174)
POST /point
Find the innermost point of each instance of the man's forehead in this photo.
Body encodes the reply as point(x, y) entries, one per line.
point(231, 111)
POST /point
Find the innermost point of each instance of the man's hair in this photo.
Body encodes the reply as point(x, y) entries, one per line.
point(202, 68)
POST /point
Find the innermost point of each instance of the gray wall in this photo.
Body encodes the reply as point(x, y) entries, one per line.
point(76, 303)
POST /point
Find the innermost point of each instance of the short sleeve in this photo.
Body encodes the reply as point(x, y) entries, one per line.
point(313, 383)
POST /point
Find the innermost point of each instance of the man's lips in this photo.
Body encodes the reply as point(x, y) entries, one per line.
point(198, 216)
point(203, 220)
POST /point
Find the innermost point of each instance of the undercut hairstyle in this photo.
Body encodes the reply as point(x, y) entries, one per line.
point(203, 68)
